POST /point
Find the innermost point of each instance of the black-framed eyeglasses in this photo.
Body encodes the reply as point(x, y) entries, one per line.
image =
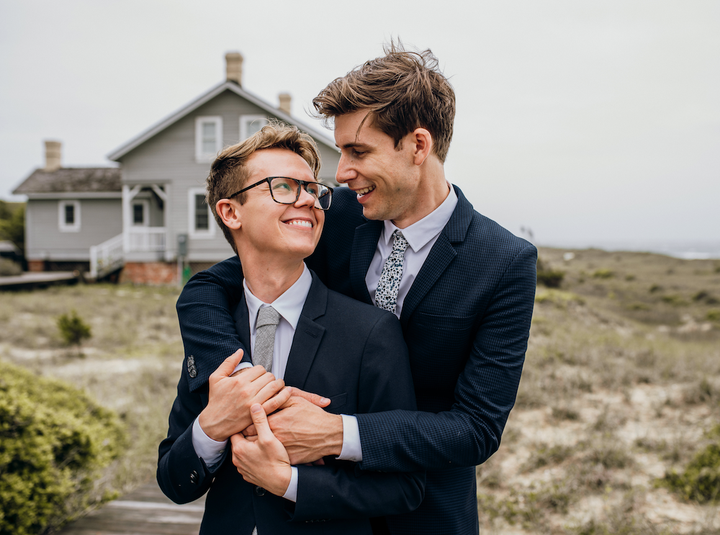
point(286, 190)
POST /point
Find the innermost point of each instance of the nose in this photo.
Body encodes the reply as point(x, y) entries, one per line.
point(345, 170)
point(305, 199)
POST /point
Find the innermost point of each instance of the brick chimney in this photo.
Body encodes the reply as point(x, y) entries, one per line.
point(285, 101)
point(233, 67)
point(53, 155)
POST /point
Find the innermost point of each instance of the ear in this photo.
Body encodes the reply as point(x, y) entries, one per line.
point(423, 145)
point(229, 211)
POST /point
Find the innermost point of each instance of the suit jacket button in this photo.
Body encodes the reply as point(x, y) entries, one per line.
point(194, 477)
point(260, 491)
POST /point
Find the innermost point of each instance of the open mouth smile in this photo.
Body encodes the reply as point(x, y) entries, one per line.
point(364, 191)
point(299, 223)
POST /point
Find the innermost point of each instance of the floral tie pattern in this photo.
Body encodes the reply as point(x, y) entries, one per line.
point(389, 284)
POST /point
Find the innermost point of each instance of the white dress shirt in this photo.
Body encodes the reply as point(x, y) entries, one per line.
point(289, 305)
point(421, 236)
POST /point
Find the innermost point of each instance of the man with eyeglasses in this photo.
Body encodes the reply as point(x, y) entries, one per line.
point(402, 237)
point(294, 329)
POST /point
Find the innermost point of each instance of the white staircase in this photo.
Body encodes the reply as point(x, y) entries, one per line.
point(106, 257)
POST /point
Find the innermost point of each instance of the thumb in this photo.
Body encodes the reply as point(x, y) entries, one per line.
point(228, 366)
point(259, 418)
point(315, 399)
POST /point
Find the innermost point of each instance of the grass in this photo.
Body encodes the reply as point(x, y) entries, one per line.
point(131, 364)
point(621, 381)
point(621, 386)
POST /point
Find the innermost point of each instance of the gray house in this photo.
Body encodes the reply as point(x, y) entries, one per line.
point(157, 199)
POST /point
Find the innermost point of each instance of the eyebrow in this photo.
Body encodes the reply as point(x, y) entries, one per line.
point(352, 145)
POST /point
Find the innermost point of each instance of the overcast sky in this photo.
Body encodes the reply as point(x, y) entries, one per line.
point(588, 122)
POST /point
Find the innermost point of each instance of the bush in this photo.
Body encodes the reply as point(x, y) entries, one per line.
point(701, 479)
point(73, 329)
point(8, 268)
point(53, 441)
point(551, 278)
point(603, 273)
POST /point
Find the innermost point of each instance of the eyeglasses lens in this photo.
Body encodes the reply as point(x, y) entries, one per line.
point(287, 191)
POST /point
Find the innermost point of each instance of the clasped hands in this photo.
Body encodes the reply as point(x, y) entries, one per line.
point(296, 431)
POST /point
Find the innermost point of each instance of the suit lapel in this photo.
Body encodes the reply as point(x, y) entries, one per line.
point(242, 323)
point(308, 336)
point(440, 257)
point(363, 249)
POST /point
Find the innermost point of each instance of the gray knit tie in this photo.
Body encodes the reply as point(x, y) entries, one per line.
point(266, 324)
point(389, 284)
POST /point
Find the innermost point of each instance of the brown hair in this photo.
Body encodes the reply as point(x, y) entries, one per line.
point(403, 91)
point(229, 172)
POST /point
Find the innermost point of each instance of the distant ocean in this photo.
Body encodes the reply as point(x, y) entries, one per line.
point(686, 250)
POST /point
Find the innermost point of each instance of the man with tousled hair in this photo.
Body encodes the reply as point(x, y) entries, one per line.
point(465, 296)
point(265, 196)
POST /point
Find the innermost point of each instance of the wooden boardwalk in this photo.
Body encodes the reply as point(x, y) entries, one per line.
point(145, 511)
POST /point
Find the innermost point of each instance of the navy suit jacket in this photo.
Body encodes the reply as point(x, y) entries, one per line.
point(342, 349)
point(466, 321)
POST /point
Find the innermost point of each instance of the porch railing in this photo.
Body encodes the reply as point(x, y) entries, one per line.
point(147, 239)
point(106, 257)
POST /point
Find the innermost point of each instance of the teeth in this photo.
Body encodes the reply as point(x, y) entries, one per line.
point(300, 223)
point(364, 191)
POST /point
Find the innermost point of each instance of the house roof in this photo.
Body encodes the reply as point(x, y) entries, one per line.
point(319, 136)
point(71, 180)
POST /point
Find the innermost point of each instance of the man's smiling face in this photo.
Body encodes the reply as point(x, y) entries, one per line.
point(286, 231)
point(383, 176)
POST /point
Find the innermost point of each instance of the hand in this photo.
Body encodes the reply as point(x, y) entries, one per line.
point(315, 399)
point(262, 461)
point(307, 431)
point(230, 398)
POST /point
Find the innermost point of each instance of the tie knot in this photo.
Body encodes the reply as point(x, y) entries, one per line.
point(267, 316)
point(399, 243)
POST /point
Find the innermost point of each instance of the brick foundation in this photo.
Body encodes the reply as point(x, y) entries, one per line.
point(153, 273)
point(36, 265)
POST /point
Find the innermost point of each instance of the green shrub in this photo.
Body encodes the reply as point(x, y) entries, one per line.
point(701, 479)
point(713, 315)
point(8, 268)
point(73, 329)
point(53, 440)
point(603, 273)
point(551, 278)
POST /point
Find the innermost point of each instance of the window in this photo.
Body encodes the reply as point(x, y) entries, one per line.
point(140, 213)
point(69, 216)
point(250, 124)
point(208, 138)
point(201, 222)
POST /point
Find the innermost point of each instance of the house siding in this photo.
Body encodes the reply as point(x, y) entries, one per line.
point(100, 220)
point(169, 158)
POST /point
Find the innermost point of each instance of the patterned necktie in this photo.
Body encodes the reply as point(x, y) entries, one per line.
point(389, 284)
point(266, 324)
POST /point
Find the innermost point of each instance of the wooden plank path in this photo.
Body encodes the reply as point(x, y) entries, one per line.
point(31, 280)
point(145, 511)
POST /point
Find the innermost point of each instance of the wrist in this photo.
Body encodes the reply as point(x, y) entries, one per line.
point(335, 437)
point(210, 430)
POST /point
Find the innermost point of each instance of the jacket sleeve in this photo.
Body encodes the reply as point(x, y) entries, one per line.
point(341, 489)
point(469, 433)
point(204, 311)
point(181, 474)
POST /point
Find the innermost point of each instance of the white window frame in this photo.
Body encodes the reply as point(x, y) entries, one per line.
point(62, 225)
point(200, 156)
point(146, 212)
point(195, 233)
point(245, 121)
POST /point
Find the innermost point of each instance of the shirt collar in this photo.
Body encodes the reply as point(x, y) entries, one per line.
point(289, 305)
point(421, 232)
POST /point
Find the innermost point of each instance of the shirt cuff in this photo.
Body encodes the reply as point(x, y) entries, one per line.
point(291, 492)
point(351, 448)
point(207, 449)
point(242, 366)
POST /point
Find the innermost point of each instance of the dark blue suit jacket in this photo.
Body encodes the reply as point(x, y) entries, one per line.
point(466, 321)
point(342, 349)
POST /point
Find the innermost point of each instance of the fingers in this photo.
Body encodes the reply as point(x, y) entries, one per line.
point(250, 431)
point(276, 401)
point(315, 399)
point(228, 365)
